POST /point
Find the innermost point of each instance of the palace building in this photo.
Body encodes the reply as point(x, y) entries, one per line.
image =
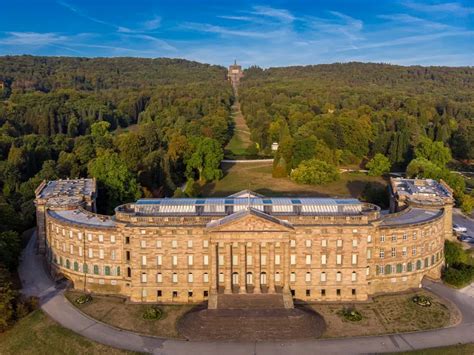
point(189, 250)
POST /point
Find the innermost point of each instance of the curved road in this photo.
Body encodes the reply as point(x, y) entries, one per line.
point(37, 282)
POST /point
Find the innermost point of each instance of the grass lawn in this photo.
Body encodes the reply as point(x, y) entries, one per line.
point(258, 177)
point(38, 334)
point(114, 311)
point(465, 349)
point(395, 313)
point(240, 141)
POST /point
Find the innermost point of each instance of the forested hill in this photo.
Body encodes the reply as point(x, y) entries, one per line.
point(355, 74)
point(50, 73)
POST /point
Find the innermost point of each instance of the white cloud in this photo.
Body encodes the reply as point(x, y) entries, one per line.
point(455, 8)
point(32, 39)
point(279, 14)
point(152, 24)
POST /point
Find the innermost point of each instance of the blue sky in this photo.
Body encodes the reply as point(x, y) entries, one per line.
point(264, 33)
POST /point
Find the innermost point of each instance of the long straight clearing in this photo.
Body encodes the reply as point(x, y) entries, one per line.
point(258, 177)
point(240, 141)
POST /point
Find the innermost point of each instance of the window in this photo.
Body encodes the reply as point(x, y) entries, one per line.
point(324, 243)
point(190, 277)
point(89, 237)
point(308, 293)
point(409, 267)
point(221, 260)
point(91, 253)
point(79, 236)
point(405, 236)
point(205, 277)
point(159, 293)
point(112, 238)
point(190, 260)
point(174, 260)
point(308, 277)
point(249, 259)
point(413, 251)
point(338, 276)
point(388, 269)
point(190, 243)
point(64, 247)
point(127, 240)
point(127, 255)
point(112, 254)
point(159, 277)
point(369, 239)
point(174, 243)
point(382, 238)
point(221, 277)
point(277, 259)
point(308, 243)
point(70, 234)
point(143, 260)
point(71, 249)
point(354, 276)
point(96, 270)
point(101, 238)
point(293, 277)
point(293, 259)
point(80, 251)
point(101, 253)
point(175, 294)
point(382, 253)
point(323, 277)
point(142, 231)
point(367, 270)
point(338, 292)
point(190, 293)
point(353, 292)
point(118, 271)
point(206, 294)
point(323, 292)
point(107, 270)
point(76, 266)
point(308, 259)
point(399, 268)
point(339, 243)
point(68, 264)
point(292, 243)
point(205, 259)
point(354, 243)
point(143, 243)
point(427, 262)
point(369, 253)
point(394, 237)
point(85, 269)
point(174, 277)
point(263, 259)
point(205, 244)
point(129, 272)
point(414, 235)
point(158, 244)
point(324, 259)
point(394, 252)
point(354, 259)
point(277, 277)
point(338, 259)
point(159, 260)
point(404, 251)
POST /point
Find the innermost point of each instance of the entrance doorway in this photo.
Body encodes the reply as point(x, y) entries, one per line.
point(249, 278)
point(235, 278)
point(263, 278)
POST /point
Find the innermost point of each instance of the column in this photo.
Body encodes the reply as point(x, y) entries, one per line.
point(257, 268)
point(228, 260)
point(271, 268)
point(243, 272)
point(286, 266)
point(214, 267)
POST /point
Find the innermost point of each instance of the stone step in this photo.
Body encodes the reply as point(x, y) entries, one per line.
point(250, 301)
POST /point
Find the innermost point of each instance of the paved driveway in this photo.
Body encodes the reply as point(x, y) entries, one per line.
point(36, 282)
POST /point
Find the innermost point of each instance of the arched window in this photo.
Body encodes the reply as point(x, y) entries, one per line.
point(96, 269)
point(427, 262)
point(432, 259)
point(118, 270)
point(354, 276)
point(68, 264)
point(107, 270)
point(388, 269)
point(367, 270)
point(76, 266)
point(410, 266)
point(85, 269)
point(338, 276)
point(418, 264)
point(399, 268)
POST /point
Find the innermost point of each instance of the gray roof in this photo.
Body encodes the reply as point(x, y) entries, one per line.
point(246, 212)
point(83, 217)
point(410, 216)
point(67, 188)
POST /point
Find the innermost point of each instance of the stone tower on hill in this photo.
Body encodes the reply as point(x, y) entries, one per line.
point(235, 73)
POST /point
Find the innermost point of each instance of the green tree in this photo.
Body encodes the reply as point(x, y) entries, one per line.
point(423, 168)
point(9, 249)
point(435, 152)
point(454, 253)
point(117, 181)
point(206, 159)
point(314, 172)
point(378, 165)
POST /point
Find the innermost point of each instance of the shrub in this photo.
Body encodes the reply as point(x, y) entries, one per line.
point(314, 172)
point(152, 313)
point(83, 299)
point(459, 275)
point(454, 253)
point(421, 301)
point(350, 314)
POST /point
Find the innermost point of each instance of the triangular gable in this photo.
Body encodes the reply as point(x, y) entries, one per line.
point(246, 194)
point(249, 220)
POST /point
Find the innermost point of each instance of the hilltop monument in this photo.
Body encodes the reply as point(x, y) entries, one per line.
point(235, 73)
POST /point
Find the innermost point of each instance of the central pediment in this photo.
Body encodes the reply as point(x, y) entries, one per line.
point(249, 220)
